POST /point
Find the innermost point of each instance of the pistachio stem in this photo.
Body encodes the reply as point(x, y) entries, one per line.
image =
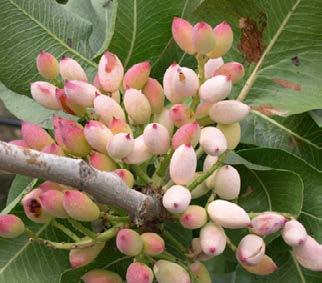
point(79, 227)
point(65, 230)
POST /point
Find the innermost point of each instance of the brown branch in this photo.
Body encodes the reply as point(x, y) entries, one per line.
point(105, 187)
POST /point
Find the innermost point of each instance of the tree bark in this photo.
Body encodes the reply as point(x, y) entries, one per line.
point(105, 187)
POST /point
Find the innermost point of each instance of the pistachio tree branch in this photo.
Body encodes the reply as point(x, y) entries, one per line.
point(105, 187)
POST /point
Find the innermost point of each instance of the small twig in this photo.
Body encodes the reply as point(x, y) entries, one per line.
point(138, 170)
point(78, 226)
point(174, 242)
point(230, 244)
point(65, 230)
point(164, 165)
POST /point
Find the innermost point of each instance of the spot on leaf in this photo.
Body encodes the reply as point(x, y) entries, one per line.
point(287, 84)
point(269, 110)
point(296, 61)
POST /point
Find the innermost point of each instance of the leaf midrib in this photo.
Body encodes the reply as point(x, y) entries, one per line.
point(135, 23)
point(50, 33)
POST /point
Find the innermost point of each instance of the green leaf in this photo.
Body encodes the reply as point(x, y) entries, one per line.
point(27, 109)
point(311, 214)
point(30, 26)
point(297, 134)
point(18, 184)
point(317, 116)
point(284, 50)
point(143, 32)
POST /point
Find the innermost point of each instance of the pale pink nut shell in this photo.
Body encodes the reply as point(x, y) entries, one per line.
point(228, 111)
point(186, 134)
point(67, 106)
point(201, 272)
point(129, 242)
point(153, 244)
point(137, 76)
point(153, 91)
point(185, 82)
point(197, 252)
point(70, 136)
point(212, 239)
point(137, 106)
point(164, 119)
point(167, 271)
point(181, 114)
point(97, 135)
point(11, 226)
point(47, 65)
point(120, 146)
point(101, 276)
point(84, 256)
point(176, 199)
point(79, 206)
point(232, 134)
point(48, 185)
point(168, 85)
point(32, 207)
point(265, 267)
point(126, 176)
point(101, 162)
point(210, 160)
point(45, 94)
point(80, 93)
point(309, 254)
point(119, 126)
point(194, 217)
point(156, 138)
point(182, 34)
point(139, 154)
point(203, 38)
point(183, 165)
point(53, 149)
point(212, 141)
point(250, 250)
point(52, 203)
point(20, 143)
point(228, 214)
point(202, 110)
point(267, 223)
point(106, 108)
point(71, 70)
point(139, 273)
point(294, 233)
point(227, 182)
point(234, 70)
point(215, 89)
point(35, 136)
point(212, 65)
point(110, 72)
point(224, 39)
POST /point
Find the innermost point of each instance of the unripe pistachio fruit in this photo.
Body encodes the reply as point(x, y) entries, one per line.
point(181, 114)
point(156, 138)
point(71, 70)
point(137, 76)
point(139, 154)
point(215, 89)
point(129, 242)
point(153, 244)
point(250, 250)
point(212, 239)
point(120, 146)
point(213, 141)
point(20, 143)
point(203, 38)
point(294, 233)
point(228, 214)
point(233, 70)
point(53, 149)
point(232, 133)
point(164, 119)
point(107, 109)
point(228, 111)
point(101, 162)
point(176, 199)
point(67, 105)
point(47, 65)
point(110, 72)
point(182, 34)
point(153, 91)
point(167, 271)
point(168, 85)
point(119, 126)
point(212, 65)
point(79, 206)
point(97, 135)
point(267, 223)
point(266, 266)
point(186, 134)
point(84, 256)
point(11, 226)
point(80, 93)
point(183, 164)
point(137, 106)
point(227, 182)
point(224, 40)
point(101, 276)
point(194, 217)
point(200, 272)
point(209, 161)
point(52, 203)
point(139, 273)
point(126, 176)
point(185, 82)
